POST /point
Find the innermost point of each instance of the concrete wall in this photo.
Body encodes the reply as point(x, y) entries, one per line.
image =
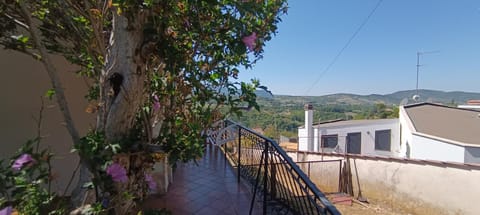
point(431, 149)
point(367, 137)
point(416, 186)
point(23, 82)
point(472, 155)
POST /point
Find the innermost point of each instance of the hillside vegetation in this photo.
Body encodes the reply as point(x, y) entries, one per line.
point(282, 115)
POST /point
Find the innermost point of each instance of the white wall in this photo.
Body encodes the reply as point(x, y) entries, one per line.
point(426, 147)
point(367, 137)
point(406, 130)
point(302, 139)
point(431, 149)
point(412, 186)
point(309, 129)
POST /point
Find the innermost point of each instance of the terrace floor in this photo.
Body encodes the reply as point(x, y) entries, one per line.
point(209, 188)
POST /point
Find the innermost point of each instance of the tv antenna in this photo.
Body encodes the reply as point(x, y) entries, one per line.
point(416, 97)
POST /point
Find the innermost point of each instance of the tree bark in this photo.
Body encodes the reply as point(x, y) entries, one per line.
point(123, 79)
point(122, 86)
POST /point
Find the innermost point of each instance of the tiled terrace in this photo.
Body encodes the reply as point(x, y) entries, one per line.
point(209, 188)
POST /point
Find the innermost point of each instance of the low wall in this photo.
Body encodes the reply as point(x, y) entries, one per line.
point(416, 186)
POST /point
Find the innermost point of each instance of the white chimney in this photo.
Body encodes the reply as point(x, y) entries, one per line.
point(309, 126)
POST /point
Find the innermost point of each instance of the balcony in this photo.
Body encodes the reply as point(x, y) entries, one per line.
point(242, 172)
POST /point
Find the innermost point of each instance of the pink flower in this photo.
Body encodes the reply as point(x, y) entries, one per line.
point(156, 103)
point(250, 41)
point(21, 161)
point(117, 172)
point(6, 211)
point(152, 185)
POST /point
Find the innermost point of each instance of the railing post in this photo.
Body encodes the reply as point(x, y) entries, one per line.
point(239, 152)
point(273, 178)
point(340, 177)
point(309, 169)
point(265, 179)
point(224, 146)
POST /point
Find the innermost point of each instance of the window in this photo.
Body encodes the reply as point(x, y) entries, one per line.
point(354, 143)
point(329, 141)
point(382, 140)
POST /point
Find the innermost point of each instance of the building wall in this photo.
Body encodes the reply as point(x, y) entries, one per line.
point(411, 186)
point(406, 130)
point(431, 149)
point(367, 137)
point(23, 84)
point(302, 139)
point(472, 155)
point(419, 146)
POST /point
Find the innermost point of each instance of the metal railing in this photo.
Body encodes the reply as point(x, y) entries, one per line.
point(278, 183)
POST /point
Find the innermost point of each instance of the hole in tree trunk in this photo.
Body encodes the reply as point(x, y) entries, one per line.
point(116, 81)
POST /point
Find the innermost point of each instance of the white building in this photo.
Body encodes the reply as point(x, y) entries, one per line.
point(368, 137)
point(423, 131)
point(471, 104)
point(436, 132)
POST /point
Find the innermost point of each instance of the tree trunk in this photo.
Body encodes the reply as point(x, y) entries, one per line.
point(123, 79)
point(122, 85)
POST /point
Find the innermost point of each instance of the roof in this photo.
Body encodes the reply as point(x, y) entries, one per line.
point(457, 124)
point(341, 123)
point(473, 102)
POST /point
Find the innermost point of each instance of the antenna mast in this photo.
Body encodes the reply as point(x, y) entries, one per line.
point(417, 96)
point(418, 68)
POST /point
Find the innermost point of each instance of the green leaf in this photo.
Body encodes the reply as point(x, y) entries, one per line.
point(266, 90)
point(215, 76)
point(88, 185)
point(50, 93)
point(21, 38)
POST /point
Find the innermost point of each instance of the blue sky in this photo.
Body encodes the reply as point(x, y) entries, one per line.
point(382, 57)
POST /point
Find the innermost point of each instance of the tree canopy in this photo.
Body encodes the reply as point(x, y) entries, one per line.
point(159, 70)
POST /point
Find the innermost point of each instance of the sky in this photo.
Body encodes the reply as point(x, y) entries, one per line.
point(382, 57)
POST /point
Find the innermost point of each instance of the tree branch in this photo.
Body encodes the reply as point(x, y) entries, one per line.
point(97, 27)
point(52, 73)
point(34, 55)
point(18, 22)
point(99, 39)
point(39, 125)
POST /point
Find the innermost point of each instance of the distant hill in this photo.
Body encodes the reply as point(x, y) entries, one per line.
point(263, 94)
point(396, 98)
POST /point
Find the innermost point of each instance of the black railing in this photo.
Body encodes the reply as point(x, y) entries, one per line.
point(278, 183)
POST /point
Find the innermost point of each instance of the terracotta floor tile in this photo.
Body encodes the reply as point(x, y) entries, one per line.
point(206, 211)
point(211, 187)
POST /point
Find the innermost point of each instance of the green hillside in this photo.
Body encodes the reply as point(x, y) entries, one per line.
point(283, 114)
